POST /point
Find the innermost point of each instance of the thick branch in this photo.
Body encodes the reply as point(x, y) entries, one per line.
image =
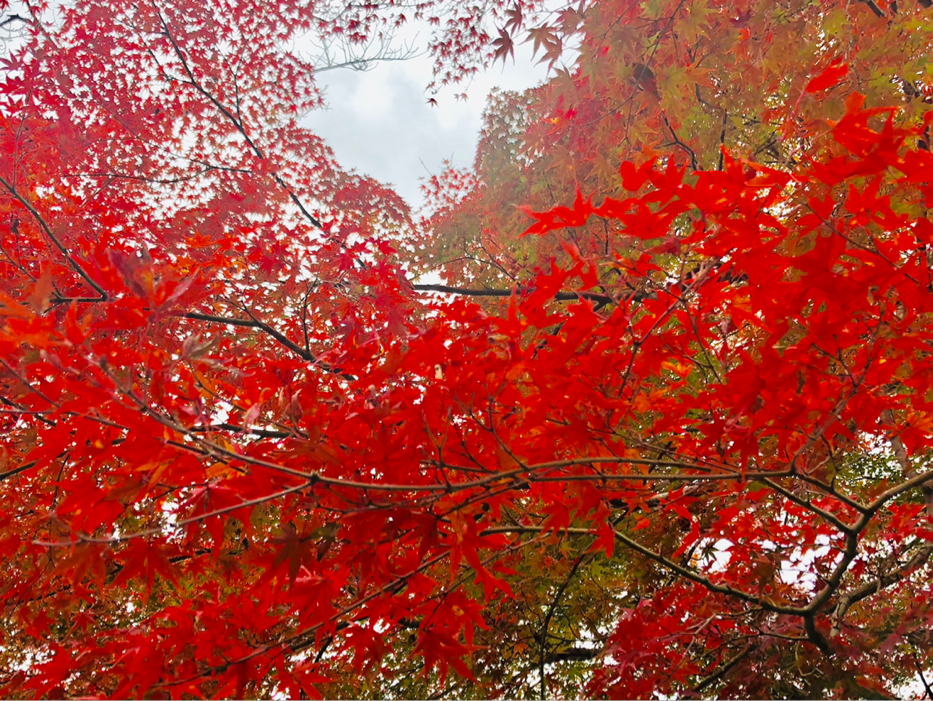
point(258, 432)
point(920, 558)
point(806, 504)
point(17, 470)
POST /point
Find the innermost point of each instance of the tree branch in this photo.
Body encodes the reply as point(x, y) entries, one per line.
point(723, 670)
point(468, 292)
point(544, 656)
point(657, 557)
point(845, 602)
point(255, 323)
point(72, 262)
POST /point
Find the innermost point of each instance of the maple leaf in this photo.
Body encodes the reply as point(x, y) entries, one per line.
point(42, 292)
point(545, 36)
point(828, 77)
point(505, 47)
point(515, 18)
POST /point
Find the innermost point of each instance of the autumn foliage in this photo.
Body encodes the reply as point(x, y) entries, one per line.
point(666, 428)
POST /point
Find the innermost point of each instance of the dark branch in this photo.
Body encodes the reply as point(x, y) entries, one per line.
point(72, 262)
point(722, 671)
point(468, 292)
point(574, 654)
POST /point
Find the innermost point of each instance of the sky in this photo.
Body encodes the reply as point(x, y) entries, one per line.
point(379, 121)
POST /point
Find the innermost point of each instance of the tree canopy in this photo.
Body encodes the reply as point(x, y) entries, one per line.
point(664, 430)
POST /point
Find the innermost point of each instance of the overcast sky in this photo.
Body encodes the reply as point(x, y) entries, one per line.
point(379, 122)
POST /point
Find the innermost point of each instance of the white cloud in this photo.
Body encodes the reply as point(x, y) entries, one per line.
point(379, 121)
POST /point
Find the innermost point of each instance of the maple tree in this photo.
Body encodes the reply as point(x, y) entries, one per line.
point(667, 433)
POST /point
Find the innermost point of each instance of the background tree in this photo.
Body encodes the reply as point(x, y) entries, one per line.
point(681, 447)
point(685, 80)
